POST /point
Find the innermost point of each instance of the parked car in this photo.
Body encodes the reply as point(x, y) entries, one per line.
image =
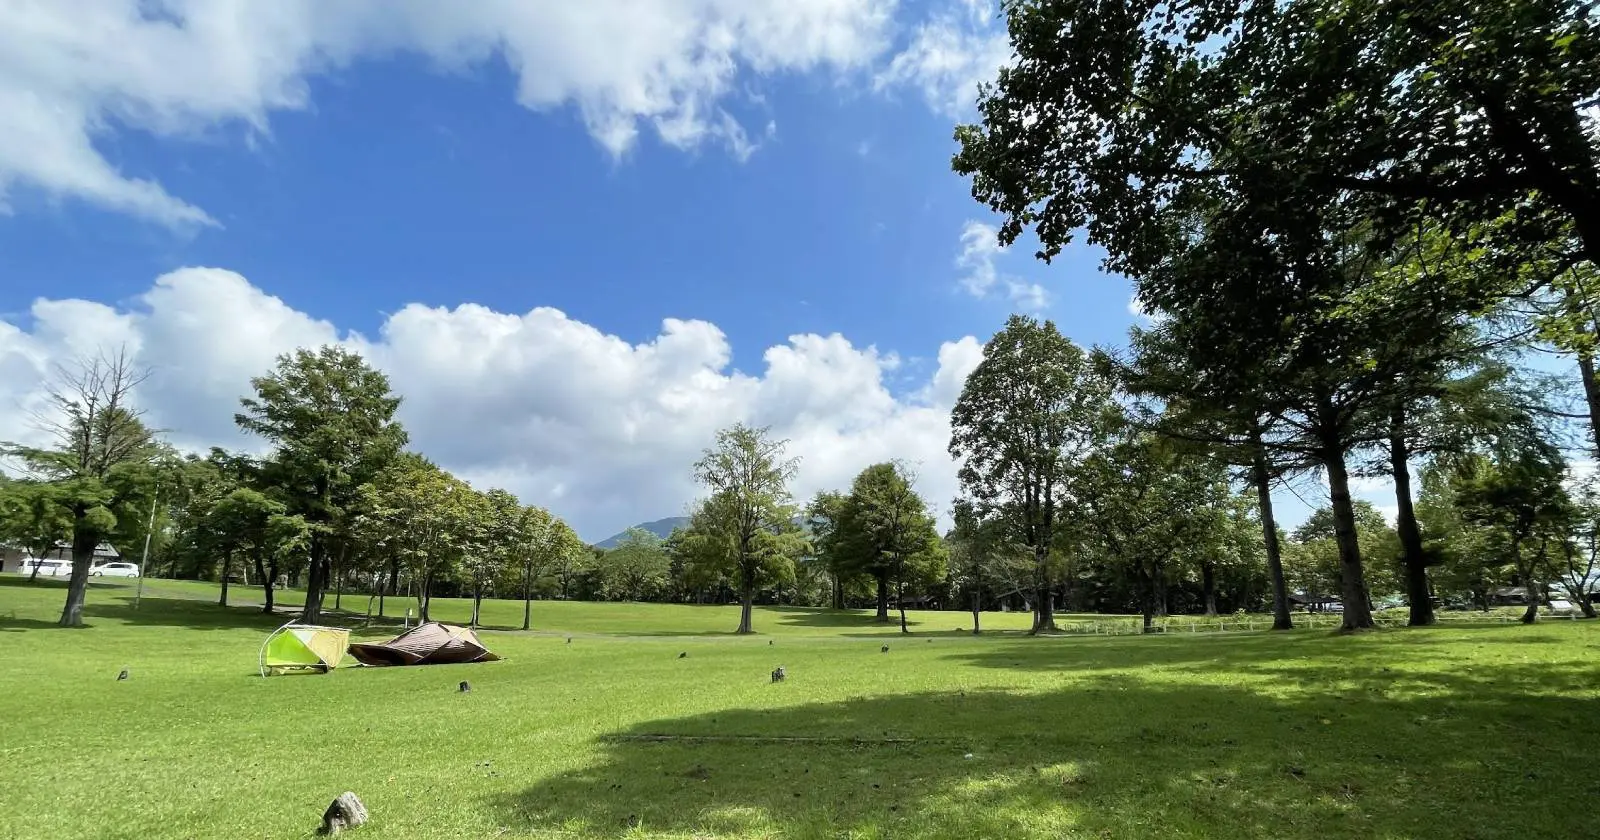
point(48, 568)
point(115, 570)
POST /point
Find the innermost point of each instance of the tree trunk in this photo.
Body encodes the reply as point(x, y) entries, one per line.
point(83, 545)
point(1531, 614)
point(477, 602)
point(977, 609)
point(1357, 613)
point(261, 571)
point(311, 613)
point(1044, 620)
point(1269, 532)
point(1585, 605)
point(838, 592)
point(883, 597)
point(268, 581)
point(1208, 583)
point(1147, 599)
point(1158, 586)
point(227, 566)
point(1591, 393)
point(900, 596)
point(747, 600)
point(424, 596)
point(527, 596)
point(1412, 557)
point(338, 576)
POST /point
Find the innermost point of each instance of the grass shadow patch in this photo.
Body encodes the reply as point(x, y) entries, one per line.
point(1476, 756)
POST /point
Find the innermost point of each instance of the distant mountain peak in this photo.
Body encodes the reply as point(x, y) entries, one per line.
point(661, 527)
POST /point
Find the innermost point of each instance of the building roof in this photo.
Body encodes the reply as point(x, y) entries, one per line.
point(102, 550)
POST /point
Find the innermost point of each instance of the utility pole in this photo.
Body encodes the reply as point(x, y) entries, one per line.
point(139, 592)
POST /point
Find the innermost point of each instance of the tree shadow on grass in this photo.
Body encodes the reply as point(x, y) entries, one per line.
point(11, 624)
point(1084, 654)
point(1477, 756)
point(866, 620)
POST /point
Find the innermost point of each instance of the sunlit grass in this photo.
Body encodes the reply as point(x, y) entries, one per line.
point(1448, 732)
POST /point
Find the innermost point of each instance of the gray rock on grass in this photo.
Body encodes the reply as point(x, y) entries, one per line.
point(346, 812)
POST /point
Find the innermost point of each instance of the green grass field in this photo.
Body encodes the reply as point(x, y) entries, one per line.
point(1457, 731)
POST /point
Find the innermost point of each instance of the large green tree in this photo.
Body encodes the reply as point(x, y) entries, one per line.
point(240, 526)
point(1465, 111)
point(746, 525)
point(884, 530)
point(330, 418)
point(1284, 135)
point(100, 461)
point(636, 569)
point(1026, 413)
point(1519, 504)
point(823, 517)
point(1148, 502)
point(32, 515)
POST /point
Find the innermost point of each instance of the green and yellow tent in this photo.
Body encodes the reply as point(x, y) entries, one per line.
point(303, 648)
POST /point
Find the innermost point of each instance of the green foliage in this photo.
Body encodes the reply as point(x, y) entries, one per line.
point(1029, 410)
point(330, 419)
point(882, 530)
point(100, 464)
point(33, 516)
point(637, 569)
point(1111, 114)
point(1148, 504)
point(746, 529)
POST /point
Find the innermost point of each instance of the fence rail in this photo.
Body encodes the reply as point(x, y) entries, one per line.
point(1133, 626)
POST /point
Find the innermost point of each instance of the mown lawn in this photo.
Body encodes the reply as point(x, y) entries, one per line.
point(1459, 731)
point(583, 617)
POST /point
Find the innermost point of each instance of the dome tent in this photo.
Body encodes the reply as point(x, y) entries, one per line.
point(303, 647)
point(431, 643)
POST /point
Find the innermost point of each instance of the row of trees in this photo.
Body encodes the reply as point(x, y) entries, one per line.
point(336, 502)
point(1355, 222)
point(1076, 492)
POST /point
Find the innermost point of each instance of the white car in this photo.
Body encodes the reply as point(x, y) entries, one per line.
point(48, 568)
point(115, 570)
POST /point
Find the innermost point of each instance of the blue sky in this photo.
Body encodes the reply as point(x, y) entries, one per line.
point(505, 222)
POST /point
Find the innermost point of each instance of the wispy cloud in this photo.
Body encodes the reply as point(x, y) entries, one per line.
point(980, 248)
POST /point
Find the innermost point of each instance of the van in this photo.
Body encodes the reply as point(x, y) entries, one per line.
point(48, 568)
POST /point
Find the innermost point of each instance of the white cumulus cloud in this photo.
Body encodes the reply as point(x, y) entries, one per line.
point(601, 429)
point(74, 73)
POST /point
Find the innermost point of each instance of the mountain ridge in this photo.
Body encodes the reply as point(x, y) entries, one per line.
point(661, 528)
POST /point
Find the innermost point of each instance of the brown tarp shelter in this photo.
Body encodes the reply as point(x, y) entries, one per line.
point(426, 644)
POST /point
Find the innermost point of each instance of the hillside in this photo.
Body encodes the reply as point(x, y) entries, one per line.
point(661, 528)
